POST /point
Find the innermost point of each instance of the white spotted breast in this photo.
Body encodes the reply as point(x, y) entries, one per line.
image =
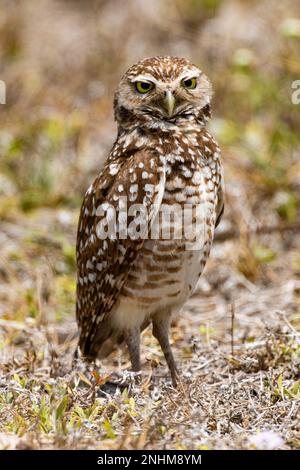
point(166, 271)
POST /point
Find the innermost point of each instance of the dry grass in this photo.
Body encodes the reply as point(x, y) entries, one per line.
point(237, 340)
point(239, 377)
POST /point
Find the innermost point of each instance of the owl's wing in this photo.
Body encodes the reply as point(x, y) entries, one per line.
point(103, 262)
point(221, 197)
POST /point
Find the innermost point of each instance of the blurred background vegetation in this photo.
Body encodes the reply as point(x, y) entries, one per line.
point(61, 61)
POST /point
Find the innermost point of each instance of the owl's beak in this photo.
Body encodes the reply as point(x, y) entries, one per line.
point(169, 102)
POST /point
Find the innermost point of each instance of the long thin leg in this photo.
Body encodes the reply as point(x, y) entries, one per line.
point(161, 333)
point(132, 338)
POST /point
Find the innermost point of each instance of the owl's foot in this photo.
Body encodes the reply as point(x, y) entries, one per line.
point(161, 333)
point(132, 338)
point(174, 376)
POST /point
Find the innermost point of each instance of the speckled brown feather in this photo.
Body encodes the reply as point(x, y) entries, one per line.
point(124, 284)
point(97, 289)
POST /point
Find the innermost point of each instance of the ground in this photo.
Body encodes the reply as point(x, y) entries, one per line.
point(237, 341)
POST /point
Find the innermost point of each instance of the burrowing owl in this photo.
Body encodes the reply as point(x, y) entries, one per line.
point(163, 157)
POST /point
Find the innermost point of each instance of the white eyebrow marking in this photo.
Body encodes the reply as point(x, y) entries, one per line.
point(145, 78)
point(186, 74)
point(190, 74)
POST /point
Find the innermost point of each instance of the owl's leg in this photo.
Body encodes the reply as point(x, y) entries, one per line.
point(132, 338)
point(161, 332)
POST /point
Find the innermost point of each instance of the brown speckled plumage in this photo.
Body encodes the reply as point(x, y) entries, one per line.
point(157, 159)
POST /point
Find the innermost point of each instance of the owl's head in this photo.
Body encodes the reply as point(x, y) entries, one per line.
point(161, 91)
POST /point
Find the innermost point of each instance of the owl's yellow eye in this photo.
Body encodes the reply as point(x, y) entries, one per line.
point(143, 87)
point(189, 83)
